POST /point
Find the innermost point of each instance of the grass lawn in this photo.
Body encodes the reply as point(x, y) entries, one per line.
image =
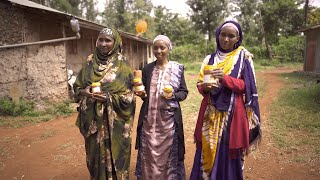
point(295, 117)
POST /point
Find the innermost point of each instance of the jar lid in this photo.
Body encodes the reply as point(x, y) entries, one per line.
point(167, 88)
point(96, 84)
point(137, 80)
point(208, 67)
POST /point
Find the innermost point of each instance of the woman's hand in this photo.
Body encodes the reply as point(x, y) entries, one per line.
point(86, 92)
point(167, 97)
point(100, 97)
point(218, 73)
point(141, 94)
point(206, 87)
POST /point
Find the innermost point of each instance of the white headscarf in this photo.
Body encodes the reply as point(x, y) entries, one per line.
point(165, 39)
point(230, 25)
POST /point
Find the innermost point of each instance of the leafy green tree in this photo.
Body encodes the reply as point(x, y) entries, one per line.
point(139, 10)
point(68, 6)
point(114, 14)
point(90, 11)
point(180, 30)
point(250, 21)
point(280, 17)
point(123, 14)
point(207, 14)
point(313, 17)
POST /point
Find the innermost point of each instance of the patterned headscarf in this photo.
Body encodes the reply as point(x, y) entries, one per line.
point(234, 25)
point(117, 47)
point(165, 39)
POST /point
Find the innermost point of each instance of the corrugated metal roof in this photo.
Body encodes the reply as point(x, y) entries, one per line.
point(309, 28)
point(35, 5)
point(82, 22)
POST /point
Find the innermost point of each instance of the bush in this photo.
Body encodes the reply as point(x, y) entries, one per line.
point(290, 49)
point(60, 109)
point(192, 53)
point(27, 108)
point(10, 108)
point(259, 52)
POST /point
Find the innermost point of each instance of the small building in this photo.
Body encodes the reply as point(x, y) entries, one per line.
point(312, 49)
point(39, 72)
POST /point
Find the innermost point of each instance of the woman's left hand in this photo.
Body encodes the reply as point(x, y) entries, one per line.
point(170, 97)
point(218, 73)
point(100, 97)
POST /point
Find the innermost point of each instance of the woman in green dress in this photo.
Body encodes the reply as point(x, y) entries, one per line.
point(105, 118)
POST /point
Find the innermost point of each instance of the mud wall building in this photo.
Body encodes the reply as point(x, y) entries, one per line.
point(39, 72)
point(312, 49)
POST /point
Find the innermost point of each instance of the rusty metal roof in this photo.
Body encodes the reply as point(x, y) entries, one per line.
point(35, 5)
point(309, 28)
point(83, 22)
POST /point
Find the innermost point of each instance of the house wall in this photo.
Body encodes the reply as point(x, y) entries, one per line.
point(77, 51)
point(137, 53)
point(312, 59)
point(12, 62)
point(317, 54)
point(39, 72)
point(34, 72)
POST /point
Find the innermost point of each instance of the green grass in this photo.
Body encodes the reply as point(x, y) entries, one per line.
point(266, 64)
point(294, 116)
point(261, 85)
point(193, 67)
point(46, 134)
point(192, 104)
point(24, 113)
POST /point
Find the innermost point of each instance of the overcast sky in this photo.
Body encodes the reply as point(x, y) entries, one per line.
point(175, 6)
point(180, 6)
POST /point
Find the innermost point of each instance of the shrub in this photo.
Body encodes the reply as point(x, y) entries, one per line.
point(27, 108)
point(191, 52)
point(290, 49)
point(11, 108)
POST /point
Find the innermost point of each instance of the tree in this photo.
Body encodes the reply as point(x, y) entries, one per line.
point(280, 17)
point(140, 10)
point(180, 30)
point(90, 11)
point(250, 21)
point(313, 16)
point(123, 14)
point(68, 6)
point(207, 14)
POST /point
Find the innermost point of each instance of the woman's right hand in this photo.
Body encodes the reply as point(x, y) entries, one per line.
point(141, 94)
point(86, 92)
point(207, 87)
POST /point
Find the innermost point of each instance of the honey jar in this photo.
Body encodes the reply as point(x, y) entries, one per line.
point(208, 78)
point(167, 91)
point(138, 85)
point(96, 87)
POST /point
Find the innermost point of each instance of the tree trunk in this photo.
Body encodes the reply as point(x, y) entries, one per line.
point(306, 7)
point(269, 50)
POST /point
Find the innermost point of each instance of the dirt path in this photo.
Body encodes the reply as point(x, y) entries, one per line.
point(54, 150)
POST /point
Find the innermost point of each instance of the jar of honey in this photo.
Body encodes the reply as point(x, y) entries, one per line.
point(167, 91)
point(96, 87)
point(138, 85)
point(208, 78)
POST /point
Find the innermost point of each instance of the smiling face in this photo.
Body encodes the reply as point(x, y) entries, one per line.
point(160, 50)
point(105, 43)
point(228, 37)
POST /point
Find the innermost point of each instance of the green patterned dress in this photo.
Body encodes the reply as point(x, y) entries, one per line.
point(106, 127)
